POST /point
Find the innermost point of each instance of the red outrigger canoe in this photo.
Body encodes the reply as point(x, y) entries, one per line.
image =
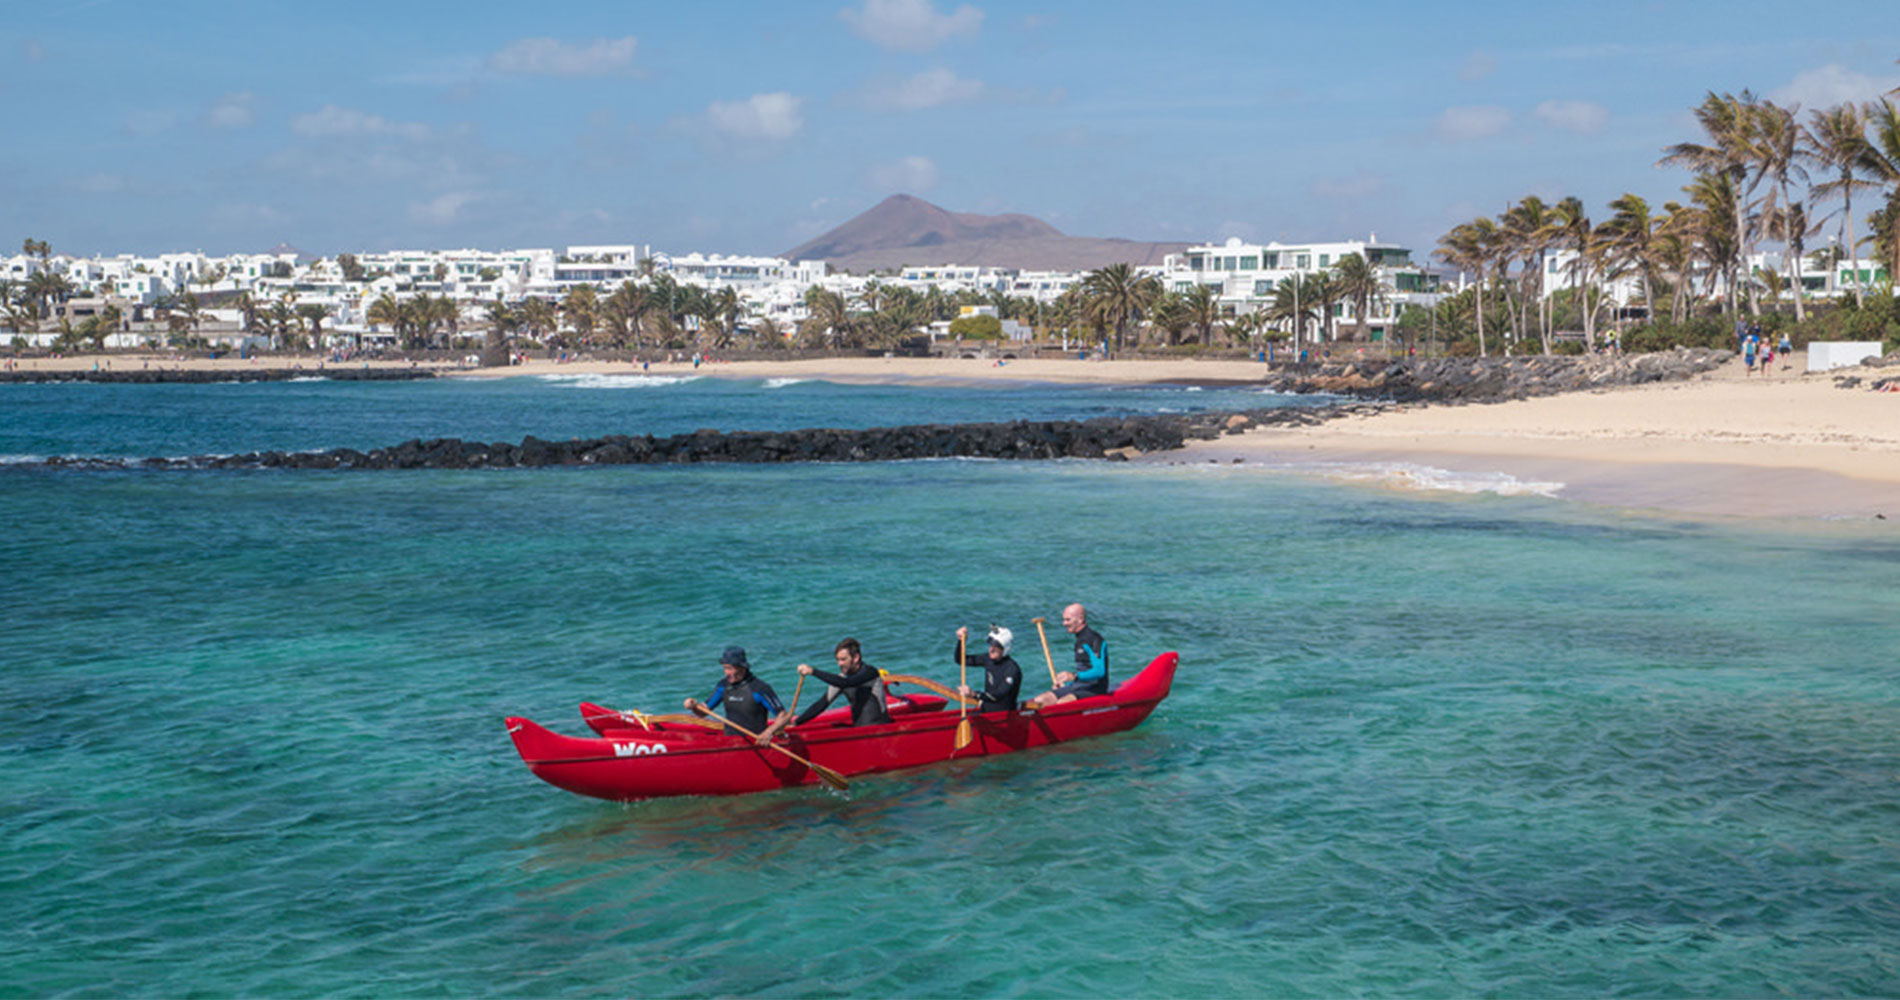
point(632, 763)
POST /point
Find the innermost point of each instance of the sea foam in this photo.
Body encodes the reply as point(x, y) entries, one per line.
point(591, 380)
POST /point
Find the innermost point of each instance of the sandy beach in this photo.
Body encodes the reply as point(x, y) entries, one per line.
point(1729, 443)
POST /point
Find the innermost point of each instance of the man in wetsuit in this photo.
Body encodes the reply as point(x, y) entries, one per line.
point(859, 682)
point(1002, 678)
point(1090, 676)
point(749, 702)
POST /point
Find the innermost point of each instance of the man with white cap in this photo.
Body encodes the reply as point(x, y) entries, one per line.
point(1002, 678)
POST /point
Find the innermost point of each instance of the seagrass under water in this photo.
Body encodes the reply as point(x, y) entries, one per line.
point(1420, 744)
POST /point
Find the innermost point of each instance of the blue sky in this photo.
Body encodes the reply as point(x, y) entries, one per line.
point(750, 127)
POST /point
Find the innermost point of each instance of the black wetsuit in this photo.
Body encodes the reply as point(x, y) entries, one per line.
point(750, 703)
point(863, 689)
point(1002, 681)
point(1091, 665)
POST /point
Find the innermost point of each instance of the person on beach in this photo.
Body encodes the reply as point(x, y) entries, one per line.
point(1002, 678)
point(1748, 352)
point(749, 701)
point(1090, 676)
point(859, 682)
point(1767, 357)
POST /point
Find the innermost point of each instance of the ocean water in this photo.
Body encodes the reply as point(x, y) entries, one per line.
point(1425, 743)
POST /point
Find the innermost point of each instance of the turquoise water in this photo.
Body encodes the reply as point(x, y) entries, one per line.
point(1423, 745)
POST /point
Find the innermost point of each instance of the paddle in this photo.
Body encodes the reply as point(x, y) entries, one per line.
point(925, 683)
point(1046, 658)
point(643, 718)
point(964, 736)
point(825, 774)
point(800, 686)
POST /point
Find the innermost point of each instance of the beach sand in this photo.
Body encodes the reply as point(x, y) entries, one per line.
point(1727, 443)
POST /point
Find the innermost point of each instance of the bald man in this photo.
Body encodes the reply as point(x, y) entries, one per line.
point(1090, 676)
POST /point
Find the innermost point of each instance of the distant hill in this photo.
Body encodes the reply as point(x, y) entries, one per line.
point(903, 231)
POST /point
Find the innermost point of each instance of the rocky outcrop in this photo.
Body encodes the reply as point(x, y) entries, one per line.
point(1491, 380)
point(1110, 438)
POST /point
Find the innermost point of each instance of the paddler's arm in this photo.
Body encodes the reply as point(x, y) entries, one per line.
point(768, 700)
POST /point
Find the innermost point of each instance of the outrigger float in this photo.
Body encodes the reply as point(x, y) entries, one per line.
point(642, 757)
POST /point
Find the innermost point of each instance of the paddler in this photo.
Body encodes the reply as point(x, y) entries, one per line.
point(1002, 678)
point(1090, 676)
point(859, 682)
point(749, 701)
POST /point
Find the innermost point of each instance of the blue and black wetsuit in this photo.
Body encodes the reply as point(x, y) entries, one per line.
point(750, 703)
point(1091, 666)
point(1002, 681)
point(863, 690)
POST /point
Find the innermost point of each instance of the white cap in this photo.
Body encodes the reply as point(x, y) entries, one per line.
point(1002, 637)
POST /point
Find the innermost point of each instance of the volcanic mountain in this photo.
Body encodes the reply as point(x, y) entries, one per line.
point(904, 231)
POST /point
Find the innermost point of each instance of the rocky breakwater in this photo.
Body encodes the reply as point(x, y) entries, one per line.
point(144, 376)
point(1110, 438)
point(1493, 380)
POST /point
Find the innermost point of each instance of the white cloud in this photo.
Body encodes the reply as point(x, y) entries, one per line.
point(912, 174)
point(1478, 65)
point(334, 121)
point(761, 116)
point(1581, 117)
point(1831, 85)
point(233, 110)
point(910, 25)
point(1472, 122)
point(442, 209)
point(549, 57)
point(928, 89)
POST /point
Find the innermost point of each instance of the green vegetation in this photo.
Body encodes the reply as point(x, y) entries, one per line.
point(977, 328)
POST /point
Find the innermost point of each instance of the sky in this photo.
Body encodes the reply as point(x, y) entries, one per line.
point(748, 128)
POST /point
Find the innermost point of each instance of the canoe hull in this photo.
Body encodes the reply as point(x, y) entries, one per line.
point(628, 764)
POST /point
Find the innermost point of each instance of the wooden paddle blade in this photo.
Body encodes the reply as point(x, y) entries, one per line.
point(832, 778)
point(964, 734)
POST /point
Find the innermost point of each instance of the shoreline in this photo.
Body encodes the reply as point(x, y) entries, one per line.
point(1725, 443)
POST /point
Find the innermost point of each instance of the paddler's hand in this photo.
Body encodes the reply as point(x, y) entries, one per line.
point(804, 670)
point(963, 632)
point(964, 690)
point(1064, 677)
point(692, 704)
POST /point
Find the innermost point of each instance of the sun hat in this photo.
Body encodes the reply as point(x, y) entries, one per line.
point(734, 656)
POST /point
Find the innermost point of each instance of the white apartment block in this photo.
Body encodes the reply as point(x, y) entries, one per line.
point(1246, 275)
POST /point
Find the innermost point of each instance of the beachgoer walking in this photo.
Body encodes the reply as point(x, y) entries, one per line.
point(1749, 344)
point(1002, 678)
point(1090, 676)
point(859, 682)
point(749, 701)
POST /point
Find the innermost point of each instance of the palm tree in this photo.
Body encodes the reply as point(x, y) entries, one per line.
point(1203, 309)
point(1883, 162)
point(1837, 141)
point(503, 321)
point(1713, 233)
point(1730, 152)
point(313, 316)
point(582, 308)
point(1789, 224)
point(538, 315)
point(387, 309)
point(1468, 247)
point(1294, 299)
point(1170, 314)
point(1778, 154)
point(828, 321)
point(1360, 284)
point(1629, 240)
point(1119, 296)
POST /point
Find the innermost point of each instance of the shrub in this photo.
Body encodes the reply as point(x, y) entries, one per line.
point(977, 328)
